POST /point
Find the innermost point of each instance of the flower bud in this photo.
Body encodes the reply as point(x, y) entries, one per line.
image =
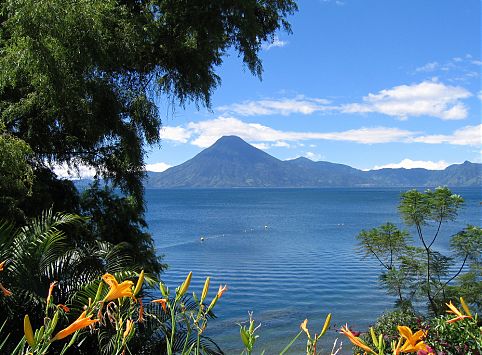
point(185, 285)
point(140, 281)
point(164, 290)
point(205, 289)
point(326, 325)
point(27, 329)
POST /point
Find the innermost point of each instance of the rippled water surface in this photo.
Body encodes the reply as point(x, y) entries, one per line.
point(286, 254)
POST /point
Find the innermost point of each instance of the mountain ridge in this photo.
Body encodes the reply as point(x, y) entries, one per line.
point(232, 162)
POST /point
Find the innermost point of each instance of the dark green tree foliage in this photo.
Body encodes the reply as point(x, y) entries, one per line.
point(387, 244)
point(79, 78)
point(115, 219)
point(79, 82)
point(412, 272)
point(15, 172)
point(467, 245)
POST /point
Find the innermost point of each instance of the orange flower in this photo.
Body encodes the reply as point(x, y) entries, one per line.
point(304, 328)
point(458, 313)
point(5, 292)
point(51, 288)
point(2, 264)
point(64, 307)
point(117, 290)
point(129, 325)
point(79, 323)
point(221, 290)
point(413, 340)
point(163, 303)
point(355, 340)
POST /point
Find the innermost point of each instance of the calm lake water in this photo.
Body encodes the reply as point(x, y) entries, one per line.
point(286, 255)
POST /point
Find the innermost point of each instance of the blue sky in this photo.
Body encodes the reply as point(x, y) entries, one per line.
point(368, 83)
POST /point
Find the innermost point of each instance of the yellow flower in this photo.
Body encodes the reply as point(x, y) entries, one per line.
point(163, 303)
point(304, 328)
point(79, 323)
point(51, 288)
point(129, 325)
point(27, 330)
point(459, 314)
point(355, 340)
point(5, 292)
point(117, 290)
point(413, 340)
point(465, 307)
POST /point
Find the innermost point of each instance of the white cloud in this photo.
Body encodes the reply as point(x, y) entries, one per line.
point(336, 2)
point(412, 164)
point(468, 135)
point(262, 146)
point(427, 98)
point(276, 43)
point(176, 134)
point(285, 106)
point(428, 67)
point(80, 172)
point(457, 69)
point(157, 167)
point(266, 146)
point(313, 156)
point(281, 144)
point(205, 133)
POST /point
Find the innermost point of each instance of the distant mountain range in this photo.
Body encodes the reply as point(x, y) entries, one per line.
point(231, 162)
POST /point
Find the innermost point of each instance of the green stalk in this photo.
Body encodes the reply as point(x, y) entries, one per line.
point(188, 334)
point(173, 325)
point(291, 343)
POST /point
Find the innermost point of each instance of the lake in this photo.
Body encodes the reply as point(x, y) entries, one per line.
point(285, 254)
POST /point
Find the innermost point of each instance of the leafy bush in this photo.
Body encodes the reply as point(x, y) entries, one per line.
point(388, 322)
point(462, 337)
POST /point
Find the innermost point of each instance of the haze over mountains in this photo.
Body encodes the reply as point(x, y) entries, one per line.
point(231, 162)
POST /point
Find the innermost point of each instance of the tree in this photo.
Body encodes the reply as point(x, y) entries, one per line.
point(413, 272)
point(419, 209)
point(387, 244)
point(79, 80)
